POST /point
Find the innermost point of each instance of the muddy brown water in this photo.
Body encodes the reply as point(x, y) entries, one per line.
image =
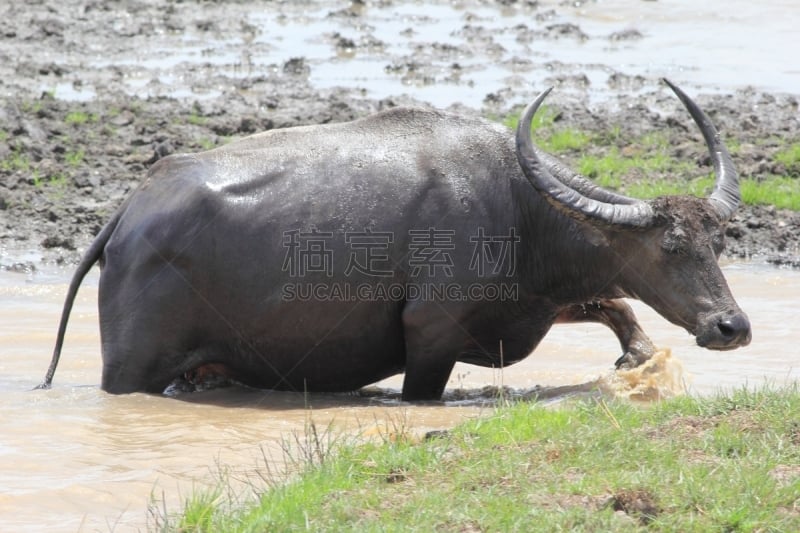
point(76, 459)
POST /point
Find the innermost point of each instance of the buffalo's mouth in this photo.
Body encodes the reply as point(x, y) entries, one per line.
point(726, 331)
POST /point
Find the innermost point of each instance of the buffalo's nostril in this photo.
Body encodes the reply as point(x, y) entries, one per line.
point(727, 329)
point(735, 328)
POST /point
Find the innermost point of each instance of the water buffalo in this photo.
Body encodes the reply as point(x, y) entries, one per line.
point(325, 258)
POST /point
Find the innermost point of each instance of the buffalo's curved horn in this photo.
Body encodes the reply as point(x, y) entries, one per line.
point(580, 183)
point(726, 197)
point(630, 214)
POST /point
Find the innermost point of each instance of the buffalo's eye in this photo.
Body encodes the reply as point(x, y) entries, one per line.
point(718, 242)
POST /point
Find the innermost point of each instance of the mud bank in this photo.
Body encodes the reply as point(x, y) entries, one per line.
point(91, 95)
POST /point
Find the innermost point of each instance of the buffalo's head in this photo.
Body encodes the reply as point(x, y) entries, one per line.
point(664, 250)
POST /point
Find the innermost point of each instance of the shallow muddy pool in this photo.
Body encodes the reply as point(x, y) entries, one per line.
point(76, 459)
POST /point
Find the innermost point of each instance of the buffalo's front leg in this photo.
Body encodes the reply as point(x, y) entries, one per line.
point(433, 340)
point(617, 315)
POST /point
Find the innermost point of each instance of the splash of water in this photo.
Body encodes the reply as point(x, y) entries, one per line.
point(661, 377)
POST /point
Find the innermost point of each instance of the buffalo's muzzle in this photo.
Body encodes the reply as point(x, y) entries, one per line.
point(726, 332)
point(735, 330)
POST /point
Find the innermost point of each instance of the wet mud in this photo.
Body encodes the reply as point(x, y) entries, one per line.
point(93, 93)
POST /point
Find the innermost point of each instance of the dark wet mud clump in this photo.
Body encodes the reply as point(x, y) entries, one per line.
point(92, 94)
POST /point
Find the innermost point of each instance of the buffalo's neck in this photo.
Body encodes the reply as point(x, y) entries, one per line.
point(567, 261)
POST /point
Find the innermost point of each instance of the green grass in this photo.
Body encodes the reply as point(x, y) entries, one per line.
point(643, 166)
point(565, 140)
point(545, 117)
point(32, 107)
point(196, 119)
point(609, 170)
point(699, 187)
point(547, 136)
point(16, 160)
point(790, 158)
point(77, 118)
point(605, 170)
point(729, 463)
point(781, 191)
point(205, 143)
point(75, 157)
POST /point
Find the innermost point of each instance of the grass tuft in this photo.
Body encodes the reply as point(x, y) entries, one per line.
point(77, 118)
point(790, 158)
point(780, 191)
point(565, 140)
point(75, 157)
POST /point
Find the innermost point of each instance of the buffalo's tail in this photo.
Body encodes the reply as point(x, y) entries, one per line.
point(92, 255)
